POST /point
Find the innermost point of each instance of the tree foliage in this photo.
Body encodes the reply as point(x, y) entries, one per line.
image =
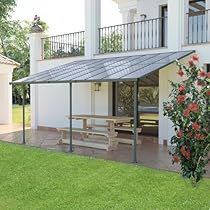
point(111, 42)
point(188, 109)
point(14, 44)
point(149, 96)
point(6, 6)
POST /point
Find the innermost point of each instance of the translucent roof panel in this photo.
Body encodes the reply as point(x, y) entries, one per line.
point(105, 69)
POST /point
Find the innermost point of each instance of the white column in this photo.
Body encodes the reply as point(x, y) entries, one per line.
point(128, 17)
point(92, 25)
point(175, 20)
point(6, 97)
point(36, 54)
point(208, 19)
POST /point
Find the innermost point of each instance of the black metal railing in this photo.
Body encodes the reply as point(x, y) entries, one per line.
point(139, 35)
point(198, 27)
point(66, 45)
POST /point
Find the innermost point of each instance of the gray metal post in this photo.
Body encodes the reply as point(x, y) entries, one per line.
point(135, 115)
point(70, 118)
point(23, 104)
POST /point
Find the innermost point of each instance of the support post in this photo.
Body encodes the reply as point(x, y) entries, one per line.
point(135, 116)
point(70, 118)
point(23, 104)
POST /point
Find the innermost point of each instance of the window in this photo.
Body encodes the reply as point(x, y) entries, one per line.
point(164, 25)
point(148, 104)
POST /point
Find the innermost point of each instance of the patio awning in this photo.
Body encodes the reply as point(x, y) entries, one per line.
point(124, 68)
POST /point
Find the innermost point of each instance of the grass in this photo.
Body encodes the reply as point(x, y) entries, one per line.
point(17, 116)
point(32, 178)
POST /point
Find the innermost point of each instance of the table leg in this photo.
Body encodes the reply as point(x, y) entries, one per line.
point(112, 141)
point(84, 127)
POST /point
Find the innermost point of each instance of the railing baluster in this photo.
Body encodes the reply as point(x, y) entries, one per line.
point(197, 27)
point(61, 45)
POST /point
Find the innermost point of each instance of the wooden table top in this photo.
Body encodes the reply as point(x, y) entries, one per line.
point(115, 119)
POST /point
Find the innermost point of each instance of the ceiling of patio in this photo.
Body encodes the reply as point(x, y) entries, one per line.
point(124, 68)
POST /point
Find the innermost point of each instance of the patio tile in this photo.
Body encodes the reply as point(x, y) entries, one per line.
point(149, 153)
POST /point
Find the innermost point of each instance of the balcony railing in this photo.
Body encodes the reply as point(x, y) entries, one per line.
point(198, 27)
point(66, 45)
point(139, 35)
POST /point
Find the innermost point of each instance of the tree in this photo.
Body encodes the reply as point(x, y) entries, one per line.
point(6, 6)
point(14, 44)
point(188, 109)
point(111, 42)
point(149, 96)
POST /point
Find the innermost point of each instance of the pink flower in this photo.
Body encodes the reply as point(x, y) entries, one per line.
point(196, 126)
point(200, 136)
point(191, 62)
point(201, 83)
point(181, 99)
point(176, 159)
point(186, 113)
point(195, 57)
point(180, 134)
point(193, 107)
point(202, 73)
point(182, 88)
point(185, 152)
point(180, 72)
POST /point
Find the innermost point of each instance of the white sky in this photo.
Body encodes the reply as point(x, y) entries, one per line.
point(64, 16)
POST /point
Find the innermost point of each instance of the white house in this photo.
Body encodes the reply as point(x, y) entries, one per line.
point(149, 27)
point(6, 68)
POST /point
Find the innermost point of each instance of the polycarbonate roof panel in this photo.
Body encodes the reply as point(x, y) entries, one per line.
point(105, 69)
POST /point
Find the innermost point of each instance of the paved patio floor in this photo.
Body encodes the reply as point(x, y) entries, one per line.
point(150, 153)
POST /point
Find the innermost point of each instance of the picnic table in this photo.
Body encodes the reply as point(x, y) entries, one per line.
point(110, 127)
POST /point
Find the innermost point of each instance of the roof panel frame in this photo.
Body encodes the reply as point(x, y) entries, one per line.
point(157, 66)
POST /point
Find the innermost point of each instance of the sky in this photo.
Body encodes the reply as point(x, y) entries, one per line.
point(64, 16)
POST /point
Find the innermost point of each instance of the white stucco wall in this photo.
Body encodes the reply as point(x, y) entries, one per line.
point(53, 99)
point(154, 11)
point(169, 73)
point(5, 94)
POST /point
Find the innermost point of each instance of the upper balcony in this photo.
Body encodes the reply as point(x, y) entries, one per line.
point(147, 34)
point(150, 34)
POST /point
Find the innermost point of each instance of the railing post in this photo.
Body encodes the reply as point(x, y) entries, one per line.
point(99, 40)
point(207, 24)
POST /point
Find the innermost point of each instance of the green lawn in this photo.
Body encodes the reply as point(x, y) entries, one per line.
point(37, 179)
point(17, 115)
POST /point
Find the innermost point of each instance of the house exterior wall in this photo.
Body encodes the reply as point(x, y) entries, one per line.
point(51, 102)
point(166, 74)
point(53, 99)
point(5, 94)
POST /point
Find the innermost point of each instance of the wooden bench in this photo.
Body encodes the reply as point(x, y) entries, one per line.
point(88, 142)
point(125, 140)
point(148, 122)
point(119, 128)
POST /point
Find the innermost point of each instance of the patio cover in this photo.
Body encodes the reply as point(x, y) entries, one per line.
point(124, 68)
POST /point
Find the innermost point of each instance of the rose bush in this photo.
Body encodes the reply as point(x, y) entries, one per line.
point(188, 109)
